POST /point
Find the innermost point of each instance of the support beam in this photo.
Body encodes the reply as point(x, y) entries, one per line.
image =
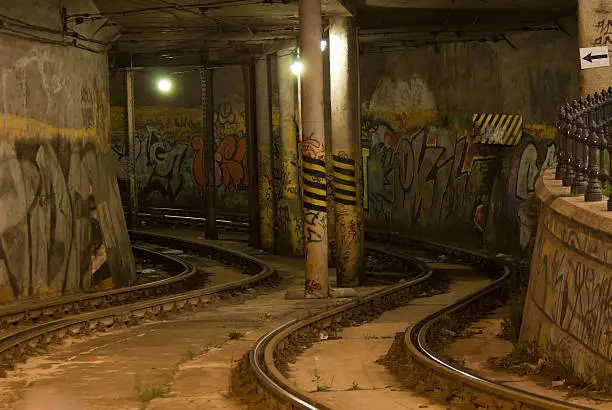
point(248, 76)
point(208, 131)
point(331, 214)
point(263, 94)
point(131, 136)
point(344, 74)
point(290, 223)
point(313, 151)
point(594, 30)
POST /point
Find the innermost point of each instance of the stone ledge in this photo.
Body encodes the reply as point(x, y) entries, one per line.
point(593, 215)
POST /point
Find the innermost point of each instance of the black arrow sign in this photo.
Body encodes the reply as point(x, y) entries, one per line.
point(589, 57)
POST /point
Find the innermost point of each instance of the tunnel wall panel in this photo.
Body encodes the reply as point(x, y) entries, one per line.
point(570, 289)
point(61, 221)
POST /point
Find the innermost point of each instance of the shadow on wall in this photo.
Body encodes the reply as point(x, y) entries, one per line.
point(171, 161)
point(426, 177)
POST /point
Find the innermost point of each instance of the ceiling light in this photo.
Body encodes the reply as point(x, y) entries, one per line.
point(297, 67)
point(164, 85)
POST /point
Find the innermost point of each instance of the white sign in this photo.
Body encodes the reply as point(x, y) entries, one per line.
point(592, 57)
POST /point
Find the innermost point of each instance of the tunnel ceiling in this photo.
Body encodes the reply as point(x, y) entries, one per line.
point(179, 32)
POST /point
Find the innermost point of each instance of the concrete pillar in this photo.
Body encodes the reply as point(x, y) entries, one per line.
point(61, 219)
point(313, 150)
point(130, 123)
point(595, 29)
point(290, 229)
point(208, 131)
point(248, 75)
point(329, 165)
point(344, 75)
point(263, 97)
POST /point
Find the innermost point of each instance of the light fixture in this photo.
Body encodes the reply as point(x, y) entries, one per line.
point(297, 67)
point(164, 85)
point(323, 44)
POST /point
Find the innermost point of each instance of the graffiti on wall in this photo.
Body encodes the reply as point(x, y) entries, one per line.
point(425, 173)
point(171, 161)
point(571, 288)
point(59, 222)
point(159, 163)
point(533, 156)
point(604, 33)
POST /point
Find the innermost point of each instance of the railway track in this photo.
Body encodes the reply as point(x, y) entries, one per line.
point(262, 378)
point(224, 222)
point(262, 375)
point(85, 314)
point(30, 328)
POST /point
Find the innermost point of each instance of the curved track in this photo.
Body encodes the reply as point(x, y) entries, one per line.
point(36, 311)
point(262, 374)
point(18, 345)
point(262, 377)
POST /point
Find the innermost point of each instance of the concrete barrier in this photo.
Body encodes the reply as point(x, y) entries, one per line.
point(569, 297)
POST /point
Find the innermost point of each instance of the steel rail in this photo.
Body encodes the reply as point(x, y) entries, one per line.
point(447, 379)
point(35, 310)
point(263, 355)
point(460, 380)
point(14, 346)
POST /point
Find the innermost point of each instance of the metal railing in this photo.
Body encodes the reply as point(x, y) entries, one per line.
point(584, 135)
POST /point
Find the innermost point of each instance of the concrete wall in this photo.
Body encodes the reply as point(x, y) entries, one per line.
point(425, 174)
point(61, 221)
point(570, 288)
point(170, 162)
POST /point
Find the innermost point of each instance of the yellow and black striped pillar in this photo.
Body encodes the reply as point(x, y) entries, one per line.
point(348, 204)
point(313, 151)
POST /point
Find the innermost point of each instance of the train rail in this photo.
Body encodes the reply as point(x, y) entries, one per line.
point(261, 378)
point(226, 222)
point(18, 345)
point(37, 311)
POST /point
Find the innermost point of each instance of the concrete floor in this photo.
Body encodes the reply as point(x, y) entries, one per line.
point(343, 373)
point(180, 363)
point(484, 343)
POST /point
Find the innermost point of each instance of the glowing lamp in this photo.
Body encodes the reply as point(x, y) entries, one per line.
point(164, 85)
point(297, 67)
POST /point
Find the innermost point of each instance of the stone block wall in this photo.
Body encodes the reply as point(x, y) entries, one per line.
point(569, 297)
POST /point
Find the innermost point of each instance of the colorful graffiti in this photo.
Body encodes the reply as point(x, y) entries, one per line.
point(170, 156)
point(424, 172)
point(426, 175)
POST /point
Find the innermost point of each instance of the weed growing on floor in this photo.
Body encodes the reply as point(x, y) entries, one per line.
point(354, 386)
point(318, 380)
point(511, 324)
point(148, 392)
point(191, 354)
point(235, 335)
point(553, 361)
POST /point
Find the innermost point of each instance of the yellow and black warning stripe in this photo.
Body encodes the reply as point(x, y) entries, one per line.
point(315, 185)
point(345, 181)
point(503, 129)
